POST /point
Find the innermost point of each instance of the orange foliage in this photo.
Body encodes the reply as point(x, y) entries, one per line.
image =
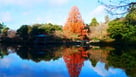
point(74, 24)
point(74, 59)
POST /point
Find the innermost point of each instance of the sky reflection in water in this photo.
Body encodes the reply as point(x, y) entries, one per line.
point(13, 66)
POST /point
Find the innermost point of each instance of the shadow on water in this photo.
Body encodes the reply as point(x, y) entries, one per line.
point(118, 56)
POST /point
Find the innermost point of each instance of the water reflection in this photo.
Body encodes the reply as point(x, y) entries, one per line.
point(80, 61)
point(37, 54)
point(74, 60)
point(124, 58)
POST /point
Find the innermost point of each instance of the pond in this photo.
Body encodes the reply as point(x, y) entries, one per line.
point(67, 61)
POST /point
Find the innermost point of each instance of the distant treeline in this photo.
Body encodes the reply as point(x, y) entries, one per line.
point(120, 29)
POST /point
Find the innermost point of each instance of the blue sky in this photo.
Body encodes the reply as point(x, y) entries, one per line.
point(15, 13)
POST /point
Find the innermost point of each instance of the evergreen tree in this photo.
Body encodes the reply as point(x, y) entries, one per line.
point(1, 26)
point(94, 22)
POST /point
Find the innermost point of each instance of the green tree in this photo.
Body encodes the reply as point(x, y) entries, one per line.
point(50, 28)
point(23, 32)
point(123, 28)
point(44, 29)
point(131, 16)
point(4, 31)
point(94, 22)
point(1, 26)
point(36, 30)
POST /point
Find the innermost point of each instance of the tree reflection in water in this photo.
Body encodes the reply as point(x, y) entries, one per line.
point(125, 58)
point(74, 57)
point(38, 54)
point(6, 50)
point(99, 54)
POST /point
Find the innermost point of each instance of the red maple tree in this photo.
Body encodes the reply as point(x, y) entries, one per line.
point(75, 24)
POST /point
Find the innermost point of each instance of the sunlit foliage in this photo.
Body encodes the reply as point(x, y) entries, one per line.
point(94, 22)
point(123, 28)
point(74, 27)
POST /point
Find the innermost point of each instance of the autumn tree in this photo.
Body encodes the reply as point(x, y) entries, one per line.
point(74, 27)
point(94, 22)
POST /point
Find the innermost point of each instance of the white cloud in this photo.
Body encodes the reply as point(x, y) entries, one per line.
point(7, 60)
point(100, 69)
point(100, 10)
point(111, 72)
point(99, 13)
point(5, 17)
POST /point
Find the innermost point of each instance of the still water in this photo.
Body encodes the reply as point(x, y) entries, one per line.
point(67, 61)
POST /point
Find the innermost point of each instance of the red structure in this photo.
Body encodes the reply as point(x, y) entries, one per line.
point(75, 61)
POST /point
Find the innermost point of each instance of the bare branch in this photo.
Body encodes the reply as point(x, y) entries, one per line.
point(118, 7)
